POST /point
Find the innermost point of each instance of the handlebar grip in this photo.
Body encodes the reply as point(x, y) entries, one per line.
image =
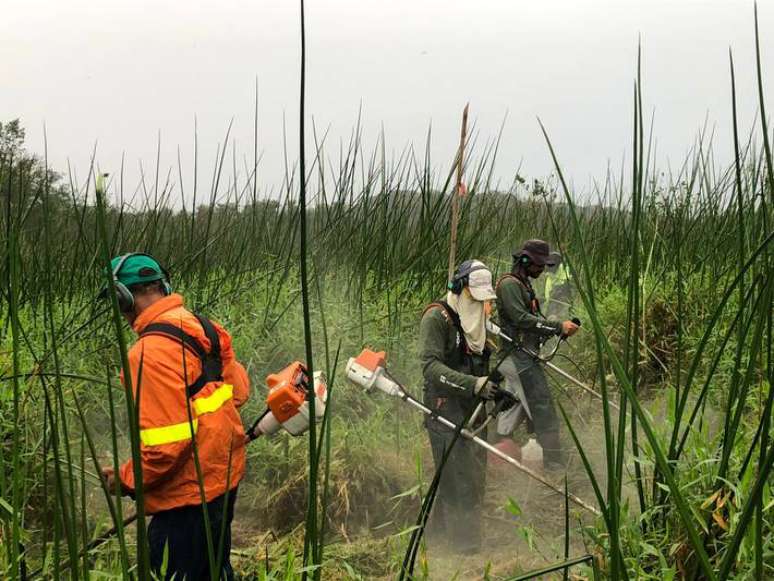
point(576, 320)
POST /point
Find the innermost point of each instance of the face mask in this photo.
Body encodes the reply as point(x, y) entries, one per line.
point(473, 315)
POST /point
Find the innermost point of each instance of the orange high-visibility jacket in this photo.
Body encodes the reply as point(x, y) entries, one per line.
point(168, 468)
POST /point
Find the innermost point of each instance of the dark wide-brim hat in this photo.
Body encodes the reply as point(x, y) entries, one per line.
point(538, 251)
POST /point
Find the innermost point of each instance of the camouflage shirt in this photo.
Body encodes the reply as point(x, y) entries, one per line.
point(447, 367)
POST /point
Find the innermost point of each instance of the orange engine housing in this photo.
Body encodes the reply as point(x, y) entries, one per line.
point(371, 360)
point(287, 391)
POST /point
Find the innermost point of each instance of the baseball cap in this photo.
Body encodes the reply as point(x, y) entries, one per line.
point(135, 269)
point(480, 282)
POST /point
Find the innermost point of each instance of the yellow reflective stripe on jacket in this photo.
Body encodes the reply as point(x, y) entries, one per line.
point(213, 402)
point(562, 274)
point(168, 434)
point(182, 431)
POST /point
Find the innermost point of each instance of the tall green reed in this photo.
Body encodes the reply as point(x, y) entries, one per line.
point(311, 550)
point(132, 398)
point(710, 560)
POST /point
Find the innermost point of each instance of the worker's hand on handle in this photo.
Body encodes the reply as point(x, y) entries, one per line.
point(504, 400)
point(109, 478)
point(486, 388)
point(569, 328)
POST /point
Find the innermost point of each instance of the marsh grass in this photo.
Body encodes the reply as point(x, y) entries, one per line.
point(707, 557)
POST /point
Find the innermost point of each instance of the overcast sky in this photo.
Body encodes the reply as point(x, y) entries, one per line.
point(118, 72)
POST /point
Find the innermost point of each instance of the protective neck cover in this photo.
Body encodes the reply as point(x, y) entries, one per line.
point(472, 318)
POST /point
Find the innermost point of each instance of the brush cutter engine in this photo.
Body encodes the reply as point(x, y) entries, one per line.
point(368, 370)
point(287, 402)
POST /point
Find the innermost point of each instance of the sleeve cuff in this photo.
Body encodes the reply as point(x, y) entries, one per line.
point(126, 490)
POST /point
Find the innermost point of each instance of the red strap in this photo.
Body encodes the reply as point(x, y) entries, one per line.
point(436, 305)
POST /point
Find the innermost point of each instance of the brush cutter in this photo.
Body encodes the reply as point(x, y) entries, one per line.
point(515, 402)
point(545, 360)
point(369, 370)
point(287, 405)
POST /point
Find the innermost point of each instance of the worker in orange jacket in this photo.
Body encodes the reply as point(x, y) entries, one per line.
point(182, 363)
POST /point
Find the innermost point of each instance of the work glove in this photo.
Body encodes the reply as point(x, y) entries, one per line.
point(496, 377)
point(486, 388)
point(569, 328)
point(504, 400)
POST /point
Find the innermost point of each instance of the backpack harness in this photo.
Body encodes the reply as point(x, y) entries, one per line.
point(534, 303)
point(212, 362)
point(453, 317)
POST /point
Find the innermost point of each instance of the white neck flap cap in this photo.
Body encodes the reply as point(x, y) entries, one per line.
point(480, 282)
point(470, 307)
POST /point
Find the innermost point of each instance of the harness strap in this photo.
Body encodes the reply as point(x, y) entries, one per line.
point(453, 317)
point(504, 277)
point(212, 362)
point(534, 304)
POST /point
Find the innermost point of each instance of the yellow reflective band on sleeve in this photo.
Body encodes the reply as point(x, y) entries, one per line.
point(168, 434)
point(213, 402)
point(182, 431)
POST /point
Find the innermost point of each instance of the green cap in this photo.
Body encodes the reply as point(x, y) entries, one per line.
point(136, 269)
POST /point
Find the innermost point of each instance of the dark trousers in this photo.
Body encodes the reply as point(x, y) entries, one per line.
point(180, 533)
point(457, 508)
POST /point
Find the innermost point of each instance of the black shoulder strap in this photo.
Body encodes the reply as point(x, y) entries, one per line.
point(534, 303)
point(212, 366)
point(454, 318)
point(176, 333)
point(211, 334)
point(454, 315)
point(212, 363)
point(504, 277)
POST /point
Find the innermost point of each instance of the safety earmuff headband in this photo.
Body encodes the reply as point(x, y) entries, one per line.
point(462, 274)
point(120, 263)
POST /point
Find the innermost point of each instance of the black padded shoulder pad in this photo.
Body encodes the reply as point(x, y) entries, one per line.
point(212, 362)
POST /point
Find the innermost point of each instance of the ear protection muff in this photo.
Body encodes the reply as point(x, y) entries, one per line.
point(524, 259)
point(125, 296)
point(461, 278)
